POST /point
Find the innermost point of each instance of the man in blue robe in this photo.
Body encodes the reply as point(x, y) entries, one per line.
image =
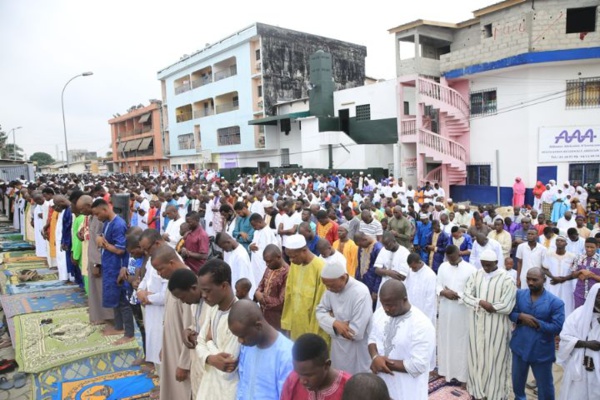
point(539, 316)
point(463, 241)
point(422, 235)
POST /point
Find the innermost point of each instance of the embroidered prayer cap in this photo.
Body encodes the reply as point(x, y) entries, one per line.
point(489, 255)
point(462, 207)
point(294, 242)
point(333, 269)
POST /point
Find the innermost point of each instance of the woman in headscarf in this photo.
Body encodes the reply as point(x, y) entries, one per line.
point(547, 199)
point(538, 191)
point(518, 193)
point(582, 195)
point(568, 189)
point(347, 247)
point(560, 206)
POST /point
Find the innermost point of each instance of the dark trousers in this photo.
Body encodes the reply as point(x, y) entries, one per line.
point(124, 316)
point(543, 377)
point(139, 319)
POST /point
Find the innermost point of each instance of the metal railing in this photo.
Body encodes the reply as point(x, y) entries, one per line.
point(444, 94)
point(226, 73)
point(202, 81)
point(226, 107)
point(442, 145)
point(183, 88)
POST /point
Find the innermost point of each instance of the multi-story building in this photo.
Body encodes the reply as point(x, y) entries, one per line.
point(81, 155)
point(513, 92)
point(138, 143)
point(210, 95)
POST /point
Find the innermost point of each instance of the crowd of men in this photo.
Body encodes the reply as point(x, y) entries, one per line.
point(329, 287)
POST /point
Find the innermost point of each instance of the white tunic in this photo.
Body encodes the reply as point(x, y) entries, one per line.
point(410, 338)
point(560, 266)
point(41, 245)
point(61, 256)
point(353, 304)
point(173, 231)
point(393, 261)
point(453, 322)
point(155, 312)
point(477, 250)
point(530, 259)
point(239, 261)
point(262, 238)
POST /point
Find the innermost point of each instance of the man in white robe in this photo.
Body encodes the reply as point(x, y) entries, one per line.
point(237, 257)
point(557, 264)
point(481, 244)
point(420, 285)
point(579, 350)
point(41, 245)
point(490, 295)
point(263, 236)
point(391, 262)
point(453, 327)
point(60, 204)
point(172, 233)
point(345, 314)
point(529, 255)
point(401, 344)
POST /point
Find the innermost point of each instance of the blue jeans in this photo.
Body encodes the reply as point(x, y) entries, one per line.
point(543, 377)
point(124, 317)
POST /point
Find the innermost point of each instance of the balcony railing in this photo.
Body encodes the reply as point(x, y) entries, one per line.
point(186, 116)
point(204, 112)
point(146, 128)
point(226, 107)
point(202, 81)
point(183, 88)
point(408, 127)
point(226, 73)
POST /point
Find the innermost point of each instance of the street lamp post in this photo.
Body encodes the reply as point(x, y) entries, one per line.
point(62, 104)
point(15, 142)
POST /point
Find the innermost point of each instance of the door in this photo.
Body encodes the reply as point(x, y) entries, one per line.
point(545, 174)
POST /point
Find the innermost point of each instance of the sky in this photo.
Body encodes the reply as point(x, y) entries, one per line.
point(126, 42)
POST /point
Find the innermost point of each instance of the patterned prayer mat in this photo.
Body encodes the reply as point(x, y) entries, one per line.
point(439, 389)
point(12, 246)
point(46, 384)
point(24, 265)
point(65, 336)
point(27, 303)
point(17, 256)
point(32, 287)
point(123, 385)
point(10, 237)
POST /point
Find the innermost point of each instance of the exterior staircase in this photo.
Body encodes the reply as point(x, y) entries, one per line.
point(440, 148)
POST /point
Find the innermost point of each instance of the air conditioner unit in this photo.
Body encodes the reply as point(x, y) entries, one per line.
point(259, 66)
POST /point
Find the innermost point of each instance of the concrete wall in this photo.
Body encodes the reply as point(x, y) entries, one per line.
point(515, 133)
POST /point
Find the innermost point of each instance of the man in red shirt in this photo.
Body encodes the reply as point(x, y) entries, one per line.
point(196, 244)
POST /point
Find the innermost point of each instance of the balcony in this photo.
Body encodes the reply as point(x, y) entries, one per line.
point(206, 112)
point(205, 80)
point(185, 116)
point(226, 107)
point(226, 73)
point(183, 88)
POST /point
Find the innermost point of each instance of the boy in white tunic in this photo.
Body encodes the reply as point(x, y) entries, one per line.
point(263, 236)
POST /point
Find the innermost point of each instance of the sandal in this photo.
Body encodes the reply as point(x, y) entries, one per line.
point(46, 321)
point(20, 379)
point(5, 384)
point(10, 366)
point(4, 343)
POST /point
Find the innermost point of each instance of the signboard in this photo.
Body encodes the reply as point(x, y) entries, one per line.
point(569, 144)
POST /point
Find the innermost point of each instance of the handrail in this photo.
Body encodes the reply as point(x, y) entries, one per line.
point(442, 145)
point(444, 94)
point(435, 175)
point(408, 127)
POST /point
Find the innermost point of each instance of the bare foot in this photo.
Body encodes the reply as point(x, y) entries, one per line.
point(110, 331)
point(138, 362)
point(123, 340)
point(463, 385)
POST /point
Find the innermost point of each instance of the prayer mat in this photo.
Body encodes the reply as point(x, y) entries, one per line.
point(27, 303)
point(66, 336)
point(12, 246)
point(449, 392)
point(17, 256)
point(32, 287)
point(10, 237)
point(123, 385)
point(25, 265)
point(45, 384)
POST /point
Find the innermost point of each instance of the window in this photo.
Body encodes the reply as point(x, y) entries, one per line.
point(406, 108)
point(186, 142)
point(479, 175)
point(487, 31)
point(581, 19)
point(259, 90)
point(363, 112)
point(583, 93)
point(483, 102)
point(229, 136)
point(285, 157)
point(584, 173)
point(257, 53)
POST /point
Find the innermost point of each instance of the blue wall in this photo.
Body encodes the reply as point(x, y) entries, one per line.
point(486, 194)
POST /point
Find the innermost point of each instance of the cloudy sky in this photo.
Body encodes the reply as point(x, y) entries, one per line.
point(125, 42)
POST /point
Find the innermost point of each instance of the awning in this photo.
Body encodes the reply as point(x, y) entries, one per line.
point(144, 118)
point(120, 147)
point(145, 143)
point(273, 120)
point(132, 145)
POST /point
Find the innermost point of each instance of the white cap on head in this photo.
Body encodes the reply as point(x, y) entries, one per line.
point(423, 216)
point(267, 204)
point(488, 255)
point(462, 207)
point(294, 242)
point(449, 200)
point(333, 269)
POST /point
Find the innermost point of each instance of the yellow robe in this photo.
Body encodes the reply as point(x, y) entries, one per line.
point(351, 253)
point(303, 292)
point(52, 234)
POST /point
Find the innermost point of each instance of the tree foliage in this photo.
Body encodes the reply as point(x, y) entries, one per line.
point(41, 158)
point(7, 150)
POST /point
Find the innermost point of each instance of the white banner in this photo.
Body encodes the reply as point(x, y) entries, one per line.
point(569, 144)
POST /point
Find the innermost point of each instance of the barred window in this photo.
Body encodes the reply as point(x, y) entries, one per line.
point(583, 93)
point(229, 136)
point(479, 175)
point(483, 102)
point(186, 142)
point(584, 173)
point(363, 112)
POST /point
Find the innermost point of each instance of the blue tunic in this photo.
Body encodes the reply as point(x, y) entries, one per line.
point(537, 345)
point(264, 382)
point(242, 224)
point(370, 278)
point(67, 241)
point(114, 233)
point(422, 233)
point(443, 241)
point(467, 244)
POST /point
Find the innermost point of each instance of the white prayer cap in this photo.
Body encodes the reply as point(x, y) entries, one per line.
point(462, 207)
point(450, 200)
point(267, 204)
point(424, 216)
point(333, 269)
point(294, 242)
point(489, 255)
